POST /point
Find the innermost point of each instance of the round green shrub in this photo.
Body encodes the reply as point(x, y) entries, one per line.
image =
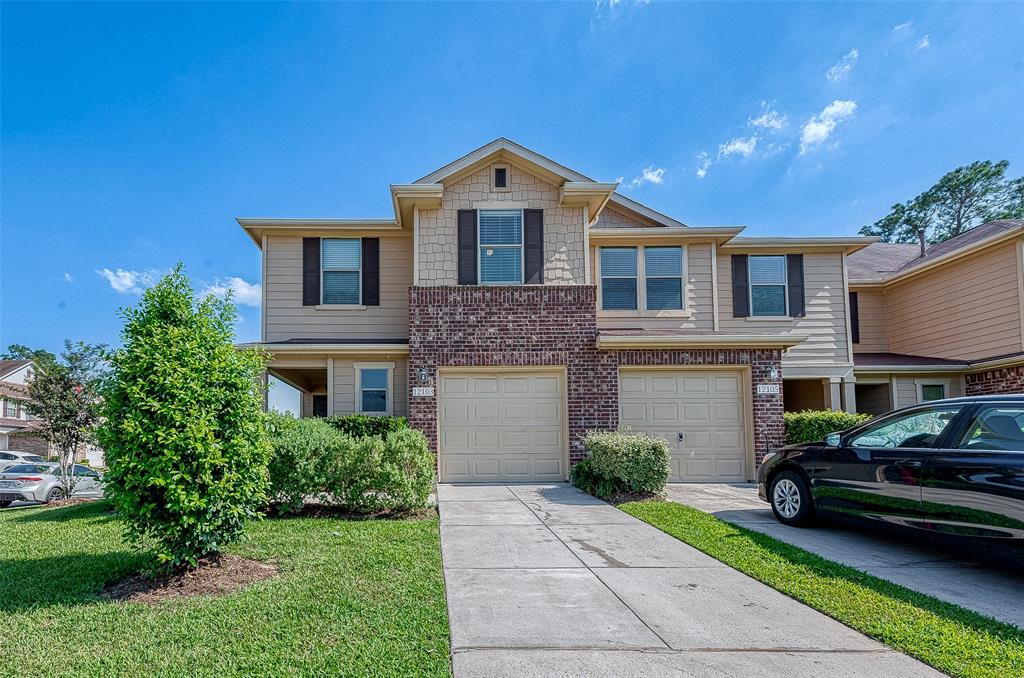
point(183, 431)
point(622, 461)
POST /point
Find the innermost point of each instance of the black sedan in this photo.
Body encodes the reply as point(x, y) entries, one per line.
point(954, 468)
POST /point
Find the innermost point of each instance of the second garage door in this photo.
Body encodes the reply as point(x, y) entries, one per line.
point(705, 406)
point(501, 426)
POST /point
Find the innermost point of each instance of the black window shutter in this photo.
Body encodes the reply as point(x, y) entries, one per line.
point(467, 247)
point(533, 239)
point(854, 318)
point(371, 271)
point(740, 291)
point(795, 277)
point(310, 271)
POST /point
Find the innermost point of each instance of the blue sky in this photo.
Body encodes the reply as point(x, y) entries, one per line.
point(133, 134)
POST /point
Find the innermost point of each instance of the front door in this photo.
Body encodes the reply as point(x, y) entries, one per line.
point(876, 473)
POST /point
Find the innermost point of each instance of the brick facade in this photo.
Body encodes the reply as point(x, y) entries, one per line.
point(992, 382)
point(478, 326)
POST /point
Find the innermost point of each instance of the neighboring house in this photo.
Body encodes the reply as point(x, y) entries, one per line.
point(17, 427)
point(938, 321)
point(512, 304)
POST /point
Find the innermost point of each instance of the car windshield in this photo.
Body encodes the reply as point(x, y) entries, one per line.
point(29, 468)
point(33, 458)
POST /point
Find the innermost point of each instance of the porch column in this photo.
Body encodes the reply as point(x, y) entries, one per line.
point(849, 396)
point(833, 394)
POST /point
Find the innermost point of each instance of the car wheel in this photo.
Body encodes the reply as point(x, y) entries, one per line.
point(5, 504)
point(55, 494)
point(791, 499)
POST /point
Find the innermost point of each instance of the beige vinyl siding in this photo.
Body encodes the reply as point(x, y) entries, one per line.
point(345, 384)
point(969, 309)
point(610, 218)
point(825, 301)
point(699, 297)
point(563, 227)
point(905, 386)
point(873, 334)
point(286, 318)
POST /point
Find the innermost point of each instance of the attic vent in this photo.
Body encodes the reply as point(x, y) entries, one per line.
point(500, 177)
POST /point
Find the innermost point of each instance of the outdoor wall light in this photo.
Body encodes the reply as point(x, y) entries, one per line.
point(773, 373)
point(423, 375)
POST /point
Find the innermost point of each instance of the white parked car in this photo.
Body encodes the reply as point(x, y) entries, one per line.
point(41, 482)
point(12, 457)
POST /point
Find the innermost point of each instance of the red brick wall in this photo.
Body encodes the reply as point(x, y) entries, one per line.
point(992, 382)
point(28, 442)
point(477, 326)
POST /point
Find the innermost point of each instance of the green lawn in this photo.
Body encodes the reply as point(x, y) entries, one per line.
point(353, 598)
point(954, 640)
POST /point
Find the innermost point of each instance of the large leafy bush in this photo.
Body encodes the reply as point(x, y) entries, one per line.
point(183, 432)
point(622, 461)
point(369, 474)
point(813, 425)
point(361, 425)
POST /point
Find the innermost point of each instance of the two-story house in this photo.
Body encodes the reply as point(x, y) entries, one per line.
point(511, 304)
point(938, 321)
point(17, 427)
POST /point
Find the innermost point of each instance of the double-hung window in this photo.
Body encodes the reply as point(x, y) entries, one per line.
point(372, 392)
point(768, 285)
point(501, 247)
point(663, 278)
point(341, 262)
point(618, 278)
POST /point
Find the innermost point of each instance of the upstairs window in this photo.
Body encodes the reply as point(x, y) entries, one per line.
point(501, 247)
point(618, 278)
point(663, 278)
point(11, 409)
point(768, 285)
point(341, 262)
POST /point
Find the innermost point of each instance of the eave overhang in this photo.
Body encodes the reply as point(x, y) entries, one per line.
point(257, 227)
point(633, 233)
point(849, 245)
point(783, 341)
point(308, 349)
point(591, 194)
point(407, 197)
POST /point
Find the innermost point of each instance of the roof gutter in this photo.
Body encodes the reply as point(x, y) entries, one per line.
point(605, 342)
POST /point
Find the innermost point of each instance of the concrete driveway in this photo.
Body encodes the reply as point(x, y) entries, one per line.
point(968, 584)
point(543, 580)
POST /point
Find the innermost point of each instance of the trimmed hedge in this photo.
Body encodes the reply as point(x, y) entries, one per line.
point(313, 460)
point(813, 425)
point(362, 425)
point(622, 461)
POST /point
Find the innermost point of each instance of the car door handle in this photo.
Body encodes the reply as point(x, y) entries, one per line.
point(909, 463)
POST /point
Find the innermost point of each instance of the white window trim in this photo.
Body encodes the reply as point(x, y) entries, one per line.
point(508, 178)
point(785, 289)
point(919, 385)
point(641, 310)
point(389, 397)
point(323, 306)
point(522, 248)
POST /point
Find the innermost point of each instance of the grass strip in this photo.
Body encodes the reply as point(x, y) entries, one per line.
point(959, 642)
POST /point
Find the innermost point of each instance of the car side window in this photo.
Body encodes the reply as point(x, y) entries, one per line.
point(84, 471)
point(995, 428)
point(920, 428)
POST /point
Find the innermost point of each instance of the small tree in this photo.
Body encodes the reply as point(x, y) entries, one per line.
point(184, 436)
point(64, 395)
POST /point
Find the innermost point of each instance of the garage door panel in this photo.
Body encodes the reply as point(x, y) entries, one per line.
point(706, 405)
point(502, 427)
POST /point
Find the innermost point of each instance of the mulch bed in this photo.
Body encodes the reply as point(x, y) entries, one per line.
point(626, 497)
point(73, 501)
point(214, 576)
point(328, 511)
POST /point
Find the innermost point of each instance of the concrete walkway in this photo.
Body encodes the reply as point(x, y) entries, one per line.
point(543, 580)
point(968, 584)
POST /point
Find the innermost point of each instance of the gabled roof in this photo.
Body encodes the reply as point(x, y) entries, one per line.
point(8, 367)
point(885, 262)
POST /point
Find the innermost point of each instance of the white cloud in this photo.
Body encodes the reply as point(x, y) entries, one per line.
point(703, 163)
point(69, 278)
point(769, 119)
point(129, 282)
point(923, 43)
point(743, 146)
point(819, 128)
point(649, 175)
point(612, 9)
point(843, 67)
point(245, 293)
point(903, 29)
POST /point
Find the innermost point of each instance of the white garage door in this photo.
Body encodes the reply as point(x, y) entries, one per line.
point(705, 406)
point(501, 426)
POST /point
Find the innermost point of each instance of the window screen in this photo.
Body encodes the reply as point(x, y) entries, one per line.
point(501, 247)
point(768, 285)
point(618, 278)
point(663, 277)
point(340, 260)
